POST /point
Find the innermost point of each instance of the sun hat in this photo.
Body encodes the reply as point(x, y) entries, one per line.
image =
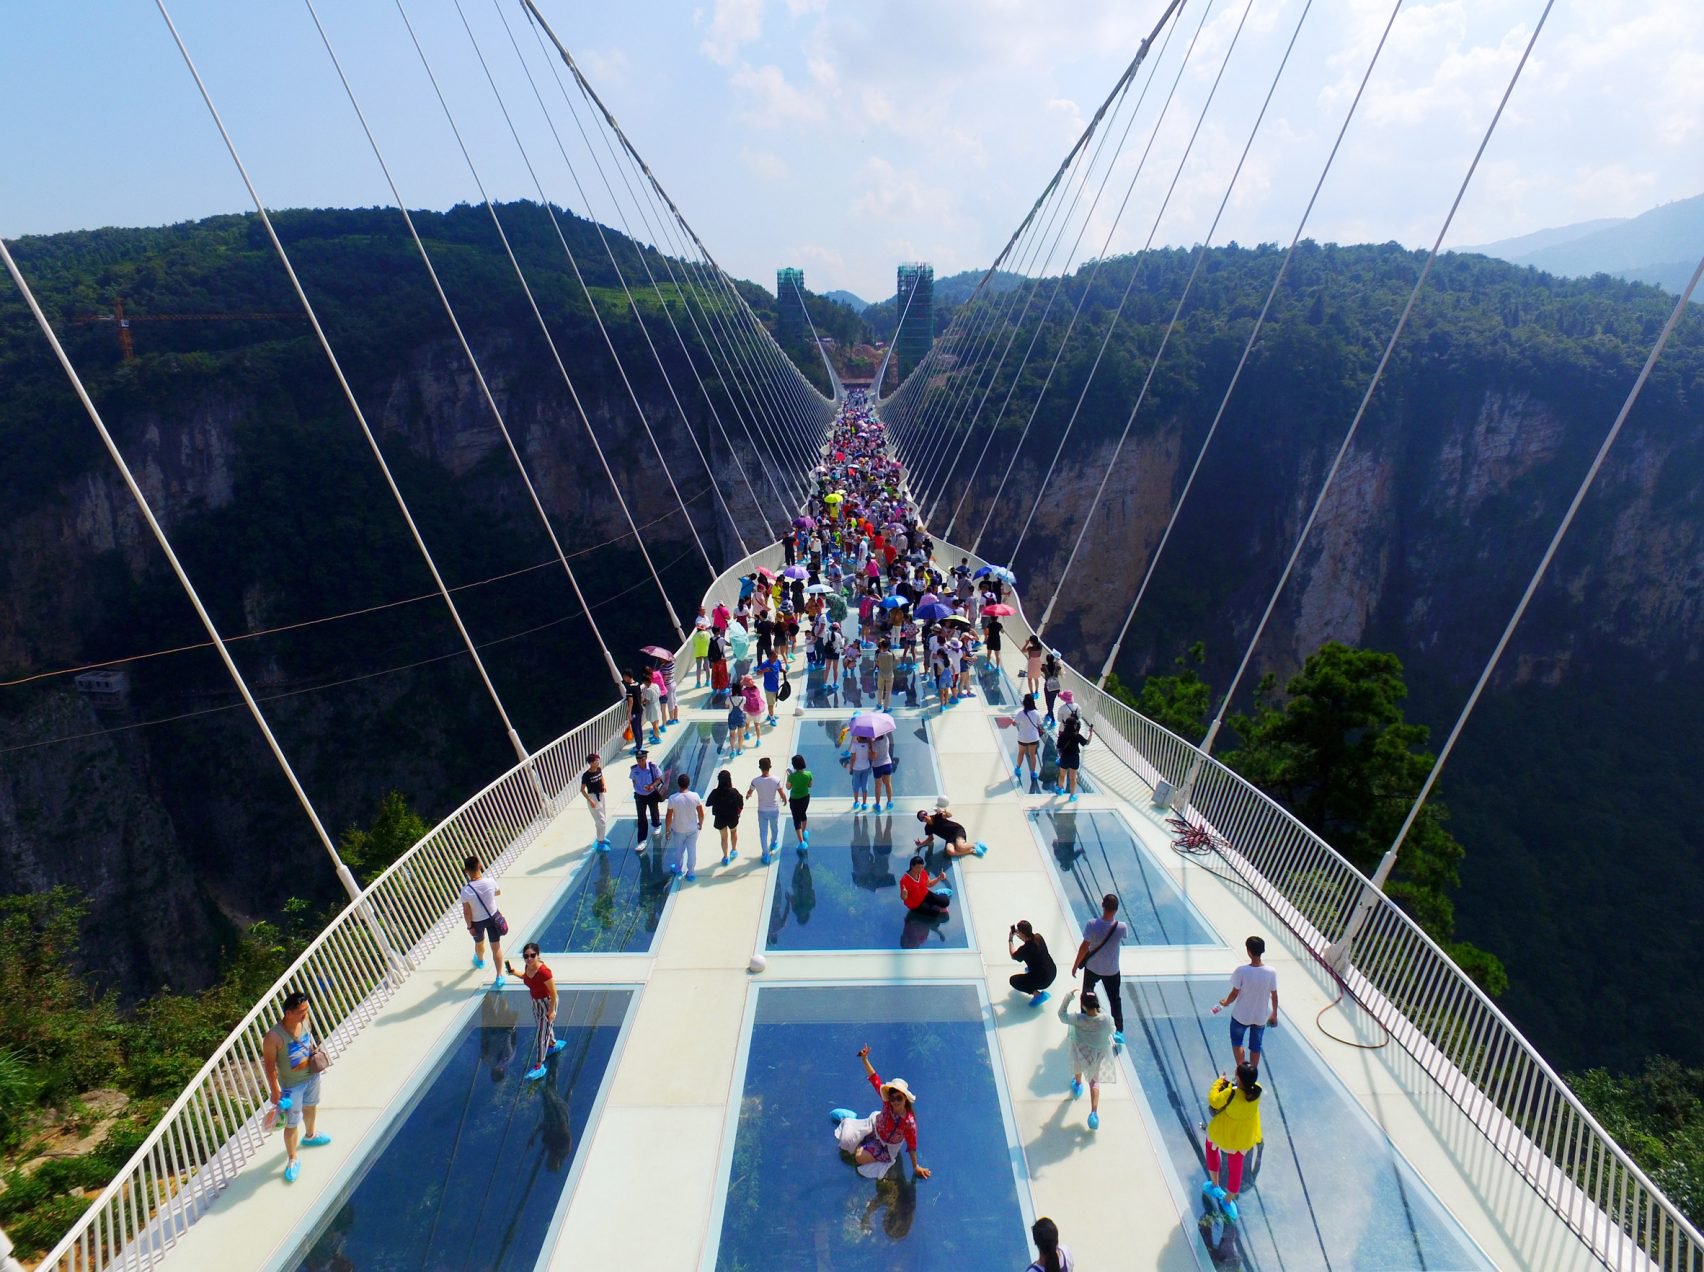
point(1065, 696)
point(898, 1084)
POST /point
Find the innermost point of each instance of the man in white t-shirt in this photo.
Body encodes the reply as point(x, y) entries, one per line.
point(767, 787)
point(1253, 1001)
point(685, 819)
point(480, 913)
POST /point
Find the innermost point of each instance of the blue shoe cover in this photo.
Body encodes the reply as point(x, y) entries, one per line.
point(533, 1075)
point(1094, 1121)
point(1118, 1038)
point(981, 849)
point(558, 1045)
point(1040, 998)
point(840, 1115)
point(1076, 1088)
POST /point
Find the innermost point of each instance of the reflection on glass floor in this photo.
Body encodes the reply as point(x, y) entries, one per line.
point(794, 1203)
point(1095, 853)
point(475, 1171)
point(1328, 1190)
point(697, 748)
point(914, 776)
point(1048, 778)
point(844, 893)
point(613, 905)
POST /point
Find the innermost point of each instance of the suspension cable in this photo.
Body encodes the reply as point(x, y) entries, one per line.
point(1230, 388)
point(591, 301)
point(1058, 282)
point(520, 749)
point(650, 230)
point(1188, 287)
point(344, 877)
point(461, 337)
point(1218, 721)
point(609, 251)
point(1094, 270)
point(1680, 307)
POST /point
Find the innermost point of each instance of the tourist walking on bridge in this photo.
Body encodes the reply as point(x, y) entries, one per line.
point(483, 919)
point(293, 1062)
point(685, 820)
point(647, 795)
point(1097, 959)
point(1253, 1001)
point(1092, 1043)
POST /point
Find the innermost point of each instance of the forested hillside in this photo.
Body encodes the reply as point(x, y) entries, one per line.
point(1567, 792)
point(170, 815)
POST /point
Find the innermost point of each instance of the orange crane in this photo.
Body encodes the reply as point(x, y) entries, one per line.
point(127, 345)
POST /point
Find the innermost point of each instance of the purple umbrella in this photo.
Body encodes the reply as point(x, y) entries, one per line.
point(805, 523)
point(872, 724)
point(795, 572)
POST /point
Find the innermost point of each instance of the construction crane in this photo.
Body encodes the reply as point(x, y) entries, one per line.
point(126, 343)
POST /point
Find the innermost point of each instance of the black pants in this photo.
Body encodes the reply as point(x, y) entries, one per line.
point(1112, 992)
point(1033, 982)
point(654, 802)
point(932, 904)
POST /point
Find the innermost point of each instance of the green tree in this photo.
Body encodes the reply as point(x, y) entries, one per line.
point(395, 830)
point(1179, 702)
point(1657, 1115)
point(1337, 750)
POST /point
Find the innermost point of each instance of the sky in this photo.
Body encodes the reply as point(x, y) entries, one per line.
point(846, 136)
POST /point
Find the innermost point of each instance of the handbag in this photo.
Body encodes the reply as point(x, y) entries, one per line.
point(786, 690)
point(318, 1061)
point(494, 916)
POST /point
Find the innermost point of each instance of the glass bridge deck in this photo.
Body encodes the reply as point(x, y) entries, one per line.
point(702, 1141)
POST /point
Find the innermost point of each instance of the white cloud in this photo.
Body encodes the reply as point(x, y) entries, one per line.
point(733, 25)
point(765, 164)
point(606, 68)
point(775, 101)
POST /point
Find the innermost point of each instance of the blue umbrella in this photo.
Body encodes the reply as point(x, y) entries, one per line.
point(984, 572)
point(934, 613)
point(893, 602)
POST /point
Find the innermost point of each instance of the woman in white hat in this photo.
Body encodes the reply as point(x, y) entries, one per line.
point(874, 1142)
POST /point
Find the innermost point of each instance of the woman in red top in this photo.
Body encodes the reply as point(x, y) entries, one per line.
point(541, 985)
point(874, 1142)
point(922, 895)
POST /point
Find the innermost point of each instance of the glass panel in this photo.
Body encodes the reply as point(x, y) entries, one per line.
point(1007, 732)
point(697, 748)
point(1096, 853)
point(614, 903)
point(476, 1168)
point(793, 1201)
point(844, 893)
point(914, 777)
point(1325, 1189)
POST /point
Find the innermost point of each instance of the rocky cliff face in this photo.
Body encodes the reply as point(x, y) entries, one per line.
point(178, 831)
point(1423, 546)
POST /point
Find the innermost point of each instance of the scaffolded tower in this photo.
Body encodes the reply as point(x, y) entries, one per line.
point(790, 321)
point(916, 309)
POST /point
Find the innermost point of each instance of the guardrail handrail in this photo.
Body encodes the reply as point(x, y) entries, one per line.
point(1511, 1094)
point(351, 969)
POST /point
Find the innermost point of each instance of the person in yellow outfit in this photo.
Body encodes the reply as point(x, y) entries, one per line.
point(1233, 1130)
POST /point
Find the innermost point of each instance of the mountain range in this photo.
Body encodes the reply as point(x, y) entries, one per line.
point(1661, 246)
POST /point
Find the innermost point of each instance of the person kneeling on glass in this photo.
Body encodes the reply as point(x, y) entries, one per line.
point(873, 1143)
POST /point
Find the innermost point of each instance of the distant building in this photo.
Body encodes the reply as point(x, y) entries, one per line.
point(107, 689)
point(915, 309)
point(791, 322)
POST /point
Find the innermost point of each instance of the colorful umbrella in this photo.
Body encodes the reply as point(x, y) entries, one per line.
point(657, 651)
point(999, 611)
point(818, 589)
point(805, 523)
point(1004, 575)
point(957, 618)
point(766, 572)
point(872, 724)
point(795, 572)
point(893, 602)
point(933, 613)
point(983, 573)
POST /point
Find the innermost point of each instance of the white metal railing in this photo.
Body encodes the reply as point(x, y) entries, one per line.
point(1406, 982)
point(350, 971)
